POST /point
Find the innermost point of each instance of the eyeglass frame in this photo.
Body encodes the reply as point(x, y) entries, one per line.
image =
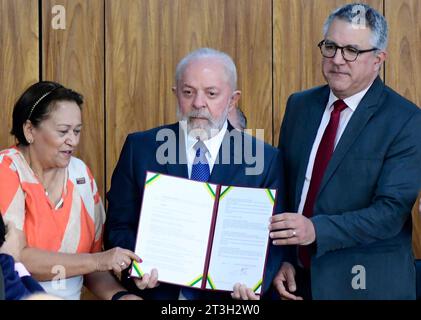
point(321, 43)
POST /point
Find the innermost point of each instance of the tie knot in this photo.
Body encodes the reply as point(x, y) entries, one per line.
point(339, 106)
point(200, 151)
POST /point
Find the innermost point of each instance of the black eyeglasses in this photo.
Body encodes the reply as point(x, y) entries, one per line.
point(349, 53)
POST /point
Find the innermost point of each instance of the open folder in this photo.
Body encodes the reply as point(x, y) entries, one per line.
point(203, 235)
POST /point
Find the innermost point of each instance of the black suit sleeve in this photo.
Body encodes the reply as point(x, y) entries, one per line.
point(123, 201)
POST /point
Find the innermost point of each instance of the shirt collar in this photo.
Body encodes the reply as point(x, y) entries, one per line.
point(352, 102)
point(213, 144)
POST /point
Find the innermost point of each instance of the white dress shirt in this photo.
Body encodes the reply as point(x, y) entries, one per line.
point(352, 104)
point(212, 145)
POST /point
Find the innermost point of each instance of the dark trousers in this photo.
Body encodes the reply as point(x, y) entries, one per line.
point(303, 280)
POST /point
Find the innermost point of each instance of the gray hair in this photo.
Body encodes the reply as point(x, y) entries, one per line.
point(204, 53)
point(362, 16)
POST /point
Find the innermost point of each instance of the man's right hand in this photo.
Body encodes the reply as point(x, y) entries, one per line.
point(148, 281)
point(284, 282)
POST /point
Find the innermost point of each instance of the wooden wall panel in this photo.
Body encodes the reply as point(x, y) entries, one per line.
point(75, 57)
point(403, 65)
point(275, 52)
point(19, 65)
point(298, 26)
point(146, 38)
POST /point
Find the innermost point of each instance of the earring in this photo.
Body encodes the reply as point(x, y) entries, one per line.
point(30, 141)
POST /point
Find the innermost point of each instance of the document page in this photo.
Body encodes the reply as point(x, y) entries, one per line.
point(174, 229)
point(241, 238)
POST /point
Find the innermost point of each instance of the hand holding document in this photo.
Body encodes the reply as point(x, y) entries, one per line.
point(203, 235)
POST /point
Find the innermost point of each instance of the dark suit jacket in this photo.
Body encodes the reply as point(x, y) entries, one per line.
point(362, 214)
point(13, 286)
point(2, 294)
point(139, 155)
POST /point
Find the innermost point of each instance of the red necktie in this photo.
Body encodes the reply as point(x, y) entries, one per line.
point(323, 155)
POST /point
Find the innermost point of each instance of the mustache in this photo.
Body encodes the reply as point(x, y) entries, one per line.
point(199, 114)
point(335, 70)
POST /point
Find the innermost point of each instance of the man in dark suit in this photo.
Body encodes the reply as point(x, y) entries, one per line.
point(352, 159)
point(206, 91)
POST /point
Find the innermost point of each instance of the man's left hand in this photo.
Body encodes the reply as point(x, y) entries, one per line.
point(241, 292)
point(291, 228)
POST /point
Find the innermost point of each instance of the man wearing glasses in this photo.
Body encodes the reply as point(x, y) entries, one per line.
point(352, 155)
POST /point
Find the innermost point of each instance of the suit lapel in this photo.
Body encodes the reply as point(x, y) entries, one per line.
point(224, 171)
point(311, 125)
point(179, 168)
point(365, 110)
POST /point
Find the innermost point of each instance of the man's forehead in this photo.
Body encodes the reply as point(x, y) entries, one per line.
point(206, 66)
point(346, 33)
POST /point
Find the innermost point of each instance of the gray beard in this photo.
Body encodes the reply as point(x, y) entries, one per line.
point(203, 131)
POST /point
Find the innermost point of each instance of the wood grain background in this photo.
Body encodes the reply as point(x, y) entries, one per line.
point(142, 53)
point(19, 57)
point(403, 69)
point(121, 55)
point(75, 58)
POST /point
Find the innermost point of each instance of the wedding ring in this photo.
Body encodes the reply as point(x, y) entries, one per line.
point(294, 233)
point(122, 264)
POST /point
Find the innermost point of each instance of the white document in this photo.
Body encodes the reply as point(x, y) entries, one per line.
point(241, 238)
point(174, 229)
point(203, 235)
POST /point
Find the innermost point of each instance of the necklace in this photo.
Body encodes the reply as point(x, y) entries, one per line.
point(45, 186)
point(26, 155)
point(54, 180)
